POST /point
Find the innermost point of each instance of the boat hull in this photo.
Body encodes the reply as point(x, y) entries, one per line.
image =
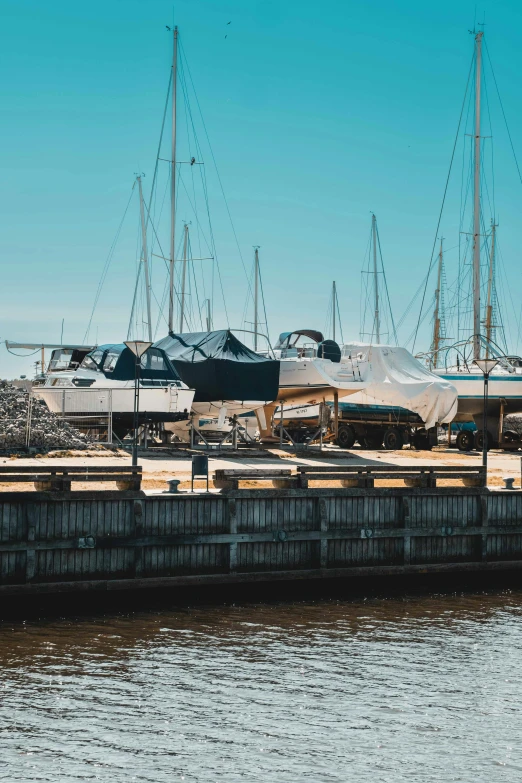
point(156, 405)
point(310, 381)
point(232, 407)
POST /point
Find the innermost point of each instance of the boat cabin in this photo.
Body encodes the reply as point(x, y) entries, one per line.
point(307, 344)
point(118, 363)
point(67, 358)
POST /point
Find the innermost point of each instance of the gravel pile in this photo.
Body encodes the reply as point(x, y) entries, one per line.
point(48, 431)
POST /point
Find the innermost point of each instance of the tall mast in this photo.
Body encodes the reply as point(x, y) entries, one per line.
point(376, 289)
point(173, 183)
point(436, 315)
point(489, 305)
point(256, 295)
point(334, 300)
point(145, 258)
point(476, 202)
point(183, 278)
point(209, 320)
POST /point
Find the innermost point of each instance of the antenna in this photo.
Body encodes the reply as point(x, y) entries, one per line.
point(183, 278)
point(377, 324)
point(334, 303)
point(256, 294)
point(145, 256)
point(489, 306)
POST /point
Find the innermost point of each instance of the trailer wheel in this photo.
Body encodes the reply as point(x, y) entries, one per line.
point(465, 440)
point(345, 436)
point(421, 440)
point(393, 440)
point(479, 440)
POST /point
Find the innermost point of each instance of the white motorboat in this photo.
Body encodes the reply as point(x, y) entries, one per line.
point(104, 384)
point(313, 369)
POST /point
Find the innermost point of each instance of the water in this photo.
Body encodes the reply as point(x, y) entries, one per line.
point(414, 689)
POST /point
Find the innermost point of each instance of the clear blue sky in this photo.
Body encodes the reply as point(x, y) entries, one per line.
point(318, 113)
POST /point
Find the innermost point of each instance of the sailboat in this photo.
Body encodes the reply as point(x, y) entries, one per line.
point(505, 381)
point(227, 376)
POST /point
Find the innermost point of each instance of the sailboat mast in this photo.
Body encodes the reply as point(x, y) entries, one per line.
point(476, 201)
point(256, 295)
point(436, 315)
point(173, 183)
point(145, 258)
point(209, 320)
point(489, 305)
point(334, 300)
point(183, 279)
point(376, 284)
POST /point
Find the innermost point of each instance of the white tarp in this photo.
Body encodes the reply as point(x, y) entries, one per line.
point(397, 378)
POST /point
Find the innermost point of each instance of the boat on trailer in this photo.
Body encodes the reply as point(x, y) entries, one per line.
point(103, 384)
point(311, 370)
point(395, 381)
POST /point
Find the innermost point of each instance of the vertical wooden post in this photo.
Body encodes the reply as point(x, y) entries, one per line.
point(232, 521)
point(485, 522)
point(138, 530)
point(30, 557)
point(406, 521)
point(501, 422)
point(323, 526)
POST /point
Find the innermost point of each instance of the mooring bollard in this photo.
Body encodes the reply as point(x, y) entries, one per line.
point(173, 486)
point(509, 482)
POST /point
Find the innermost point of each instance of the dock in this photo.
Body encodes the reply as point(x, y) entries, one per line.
point(66, 541)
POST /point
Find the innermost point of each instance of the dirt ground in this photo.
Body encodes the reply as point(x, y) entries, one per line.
point(159, 467)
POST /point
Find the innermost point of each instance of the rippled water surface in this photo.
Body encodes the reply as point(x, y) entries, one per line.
point(414, 689)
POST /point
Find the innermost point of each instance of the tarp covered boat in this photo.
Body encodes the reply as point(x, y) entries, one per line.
point(223, 371)
point(398, 379)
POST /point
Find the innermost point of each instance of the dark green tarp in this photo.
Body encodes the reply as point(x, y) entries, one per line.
point(220, 367)
point(116, 361)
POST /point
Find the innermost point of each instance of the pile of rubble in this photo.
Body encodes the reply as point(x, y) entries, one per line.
point(47, 431)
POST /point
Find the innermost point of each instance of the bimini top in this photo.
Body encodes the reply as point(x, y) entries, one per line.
point(284, 340)
point(118, 362)
point(220, 367)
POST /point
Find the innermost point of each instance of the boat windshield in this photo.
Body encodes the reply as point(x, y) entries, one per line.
point(154, 360)
point(111, 359)
point(92, 361)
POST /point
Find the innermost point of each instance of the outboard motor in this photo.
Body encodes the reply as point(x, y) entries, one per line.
point(329, 349)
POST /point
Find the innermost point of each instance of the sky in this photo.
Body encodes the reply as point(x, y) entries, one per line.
point(317, 115)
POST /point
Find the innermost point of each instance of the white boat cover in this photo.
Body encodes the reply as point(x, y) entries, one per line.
point(397, 378)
